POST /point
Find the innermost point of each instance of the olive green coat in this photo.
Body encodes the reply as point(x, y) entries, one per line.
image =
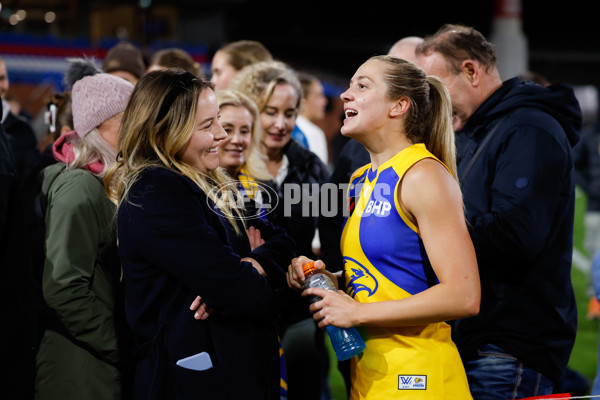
point(79, 351)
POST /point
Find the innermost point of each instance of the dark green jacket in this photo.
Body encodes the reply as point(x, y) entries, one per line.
point(79, 352)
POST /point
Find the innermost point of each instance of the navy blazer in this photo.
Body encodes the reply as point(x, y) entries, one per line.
point(174, 246)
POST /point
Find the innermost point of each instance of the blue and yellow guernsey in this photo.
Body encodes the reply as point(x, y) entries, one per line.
point(384, 259)
point(251, 189)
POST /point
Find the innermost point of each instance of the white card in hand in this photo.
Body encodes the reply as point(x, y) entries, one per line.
point(197, 362)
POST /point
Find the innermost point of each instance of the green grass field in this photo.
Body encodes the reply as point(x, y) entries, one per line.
point(585, 352)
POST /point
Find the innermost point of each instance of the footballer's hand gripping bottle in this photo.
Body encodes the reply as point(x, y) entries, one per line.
point(346, 343)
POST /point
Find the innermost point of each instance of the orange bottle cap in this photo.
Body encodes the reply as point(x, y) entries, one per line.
point(308, 268)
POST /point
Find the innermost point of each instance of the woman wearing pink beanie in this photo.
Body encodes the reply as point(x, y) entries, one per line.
point(80, 354)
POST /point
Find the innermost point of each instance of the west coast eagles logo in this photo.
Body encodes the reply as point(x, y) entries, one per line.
point(360, 278)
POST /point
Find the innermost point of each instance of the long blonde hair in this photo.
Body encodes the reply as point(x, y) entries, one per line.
point(254, 164)
point(159, 121)
point(429, 119)
point(258, 81)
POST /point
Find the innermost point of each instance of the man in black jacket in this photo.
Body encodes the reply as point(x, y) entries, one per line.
point(20, 135)
point(514, 142)
point(16, 342)
point(7, 177)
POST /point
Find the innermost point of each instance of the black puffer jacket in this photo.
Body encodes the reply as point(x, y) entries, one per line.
point(23, 144)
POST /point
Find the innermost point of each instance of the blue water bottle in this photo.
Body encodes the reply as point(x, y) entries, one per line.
point(346, 343)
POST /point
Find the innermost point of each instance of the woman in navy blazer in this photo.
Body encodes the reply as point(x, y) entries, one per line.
point(176, 244)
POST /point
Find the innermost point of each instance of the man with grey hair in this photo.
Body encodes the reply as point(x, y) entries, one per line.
point(514, 141)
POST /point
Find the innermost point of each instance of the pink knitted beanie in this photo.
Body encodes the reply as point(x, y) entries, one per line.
point(97, 98)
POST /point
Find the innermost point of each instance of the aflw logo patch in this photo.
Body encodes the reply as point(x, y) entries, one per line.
point(412, 382)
